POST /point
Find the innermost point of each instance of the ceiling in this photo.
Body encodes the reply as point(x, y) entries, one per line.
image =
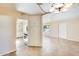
point(32, 8)
point(71, 14)
point(29, 8)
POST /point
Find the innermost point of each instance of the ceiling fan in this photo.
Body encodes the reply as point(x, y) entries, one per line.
point(55, 7)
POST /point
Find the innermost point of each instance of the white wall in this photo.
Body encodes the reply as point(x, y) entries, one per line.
point(69, 30)
point(54, 30)
point(63, 30)
point(66, 29)
point(35, 30)
point(7, 41)
point(73, 30)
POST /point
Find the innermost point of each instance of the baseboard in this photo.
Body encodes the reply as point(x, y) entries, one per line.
point(7, 52)
point(69, 39)
point(35, 46)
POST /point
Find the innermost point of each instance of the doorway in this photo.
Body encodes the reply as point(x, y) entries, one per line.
point(22, 31)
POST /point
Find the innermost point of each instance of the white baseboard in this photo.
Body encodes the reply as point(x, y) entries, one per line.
point(7, 52)
point(69, 39)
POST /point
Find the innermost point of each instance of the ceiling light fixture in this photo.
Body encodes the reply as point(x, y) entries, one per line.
point(56, 7)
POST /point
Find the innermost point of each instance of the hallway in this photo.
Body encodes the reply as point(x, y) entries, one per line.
point(51, 47)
